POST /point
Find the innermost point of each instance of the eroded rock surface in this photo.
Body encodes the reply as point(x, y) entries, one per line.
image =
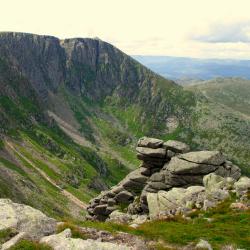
point(25, 219)
point(170, 180)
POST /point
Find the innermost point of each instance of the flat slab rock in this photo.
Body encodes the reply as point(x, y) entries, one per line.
point(149, 142)
point(176, 146)
point(181, 167)
point(150, 152)
point(204, 157)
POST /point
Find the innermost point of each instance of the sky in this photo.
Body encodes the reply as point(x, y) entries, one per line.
point(188, 28)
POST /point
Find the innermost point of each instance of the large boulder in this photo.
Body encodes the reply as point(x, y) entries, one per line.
point(124, 197)
point(176, 146)
point(63, 241)
point(151, 152)
point(149, 142)
point(119, 217)
point(100, 209)
point(242, 185)
point(180, 166)
point(153, 205)
point(25, 219)
point(212, 181)
point(204, 157)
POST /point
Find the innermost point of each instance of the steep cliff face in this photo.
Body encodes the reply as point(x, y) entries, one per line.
point(91, 68)
point(74, 108)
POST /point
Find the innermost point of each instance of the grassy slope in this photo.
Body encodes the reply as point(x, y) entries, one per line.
point(226, 227)
point(221, 119)
point(232, 92)
point(72, 166)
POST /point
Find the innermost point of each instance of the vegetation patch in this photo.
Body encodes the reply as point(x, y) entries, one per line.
point(75, 230)
point(224, 227)
point(30, 245)
point(6, 235)
point(13, 167)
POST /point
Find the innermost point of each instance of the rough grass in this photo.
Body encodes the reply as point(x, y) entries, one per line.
point(6, 235)
point(227, 227)
point(12, 166)
point(1, 144)
point(30, 245)
point(75, 231)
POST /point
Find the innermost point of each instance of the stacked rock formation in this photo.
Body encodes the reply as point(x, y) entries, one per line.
point(165, 165)
point(153, 155)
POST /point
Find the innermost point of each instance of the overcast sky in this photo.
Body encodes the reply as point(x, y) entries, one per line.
point(195, 28)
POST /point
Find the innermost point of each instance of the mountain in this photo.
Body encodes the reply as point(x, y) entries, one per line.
point(191, 69)
point(72, 110)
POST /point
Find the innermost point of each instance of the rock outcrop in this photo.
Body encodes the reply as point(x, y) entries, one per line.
point(170, 180)
point(27, 223)
point(25, 219)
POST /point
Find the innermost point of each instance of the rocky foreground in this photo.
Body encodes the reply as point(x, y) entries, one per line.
point(170, 181)
point(31, 224)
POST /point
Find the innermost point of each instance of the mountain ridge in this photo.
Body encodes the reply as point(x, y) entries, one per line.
point(54, 93)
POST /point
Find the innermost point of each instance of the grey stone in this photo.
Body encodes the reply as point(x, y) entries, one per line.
point(150, 161)
point(176, 146)
point(100, 209)
point(63, 241)
point(137, 176)
point(159, 177)
point(149, 142)
point(110, 209)
point(154, 153)
point(204, 157)
point(140, 219)
point(111, 202)
point(203, 244)
point(174, 201)
point(158, 186)
point(153, 205)
point(117, 189)
point(217, 195)
point(242, 185)
point(124, 197)
point(180, 166)
point(212, 181)
point(25, 219)
point(145, 171)
point(170, 153)
point(133, 186)
point(119, 217)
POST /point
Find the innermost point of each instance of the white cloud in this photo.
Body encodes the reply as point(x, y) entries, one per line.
point(160, 27)
point(226, 33)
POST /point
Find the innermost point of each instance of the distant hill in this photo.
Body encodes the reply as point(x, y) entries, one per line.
point(231, 92)
point(193, 68)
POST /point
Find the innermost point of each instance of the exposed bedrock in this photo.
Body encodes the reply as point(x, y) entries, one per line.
point(166, 166)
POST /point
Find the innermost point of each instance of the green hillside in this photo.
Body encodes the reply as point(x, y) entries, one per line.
point(71, 111)
point(232, 92)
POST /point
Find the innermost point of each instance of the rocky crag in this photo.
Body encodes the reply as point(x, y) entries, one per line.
point(170, 180)
point(26, 223)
